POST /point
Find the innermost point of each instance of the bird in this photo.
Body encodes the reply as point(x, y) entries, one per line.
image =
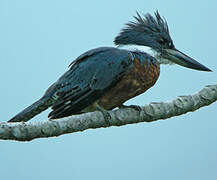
point(104, 78)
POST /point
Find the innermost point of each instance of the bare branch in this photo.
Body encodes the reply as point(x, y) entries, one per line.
point(152, 112)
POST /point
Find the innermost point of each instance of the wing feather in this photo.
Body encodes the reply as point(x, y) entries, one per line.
point(88, 78)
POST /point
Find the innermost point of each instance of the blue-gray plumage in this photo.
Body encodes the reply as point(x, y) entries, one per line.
point(106, 77)
point(88, 78)
point(149, 31)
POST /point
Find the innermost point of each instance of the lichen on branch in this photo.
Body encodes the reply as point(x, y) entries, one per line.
point(152, 112)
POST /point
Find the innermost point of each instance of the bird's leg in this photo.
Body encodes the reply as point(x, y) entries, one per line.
point(137, 108)
point(105, 113)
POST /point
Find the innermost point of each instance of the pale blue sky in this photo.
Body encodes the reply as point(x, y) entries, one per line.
point(39, 39)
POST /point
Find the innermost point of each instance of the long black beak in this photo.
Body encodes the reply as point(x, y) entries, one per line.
point(180, 58)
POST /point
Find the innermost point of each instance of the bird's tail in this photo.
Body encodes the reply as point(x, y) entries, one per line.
point(34, 109)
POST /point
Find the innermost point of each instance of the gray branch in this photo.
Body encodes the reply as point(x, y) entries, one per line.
point(152, 112)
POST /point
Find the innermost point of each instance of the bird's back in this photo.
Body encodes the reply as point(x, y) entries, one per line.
point(108, 76)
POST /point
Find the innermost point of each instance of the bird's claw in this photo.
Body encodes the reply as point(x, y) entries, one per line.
point(106, 114)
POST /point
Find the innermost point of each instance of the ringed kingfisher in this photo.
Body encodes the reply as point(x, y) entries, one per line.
point(106, 77)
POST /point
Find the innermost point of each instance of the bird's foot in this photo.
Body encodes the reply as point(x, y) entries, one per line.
point(135, 107)
point(105, 113)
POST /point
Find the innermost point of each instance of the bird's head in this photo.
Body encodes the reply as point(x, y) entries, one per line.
point(153, 32)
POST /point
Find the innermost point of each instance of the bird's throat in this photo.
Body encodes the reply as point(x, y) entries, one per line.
point(148, 50)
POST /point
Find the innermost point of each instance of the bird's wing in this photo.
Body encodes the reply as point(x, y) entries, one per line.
point(88, 78)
